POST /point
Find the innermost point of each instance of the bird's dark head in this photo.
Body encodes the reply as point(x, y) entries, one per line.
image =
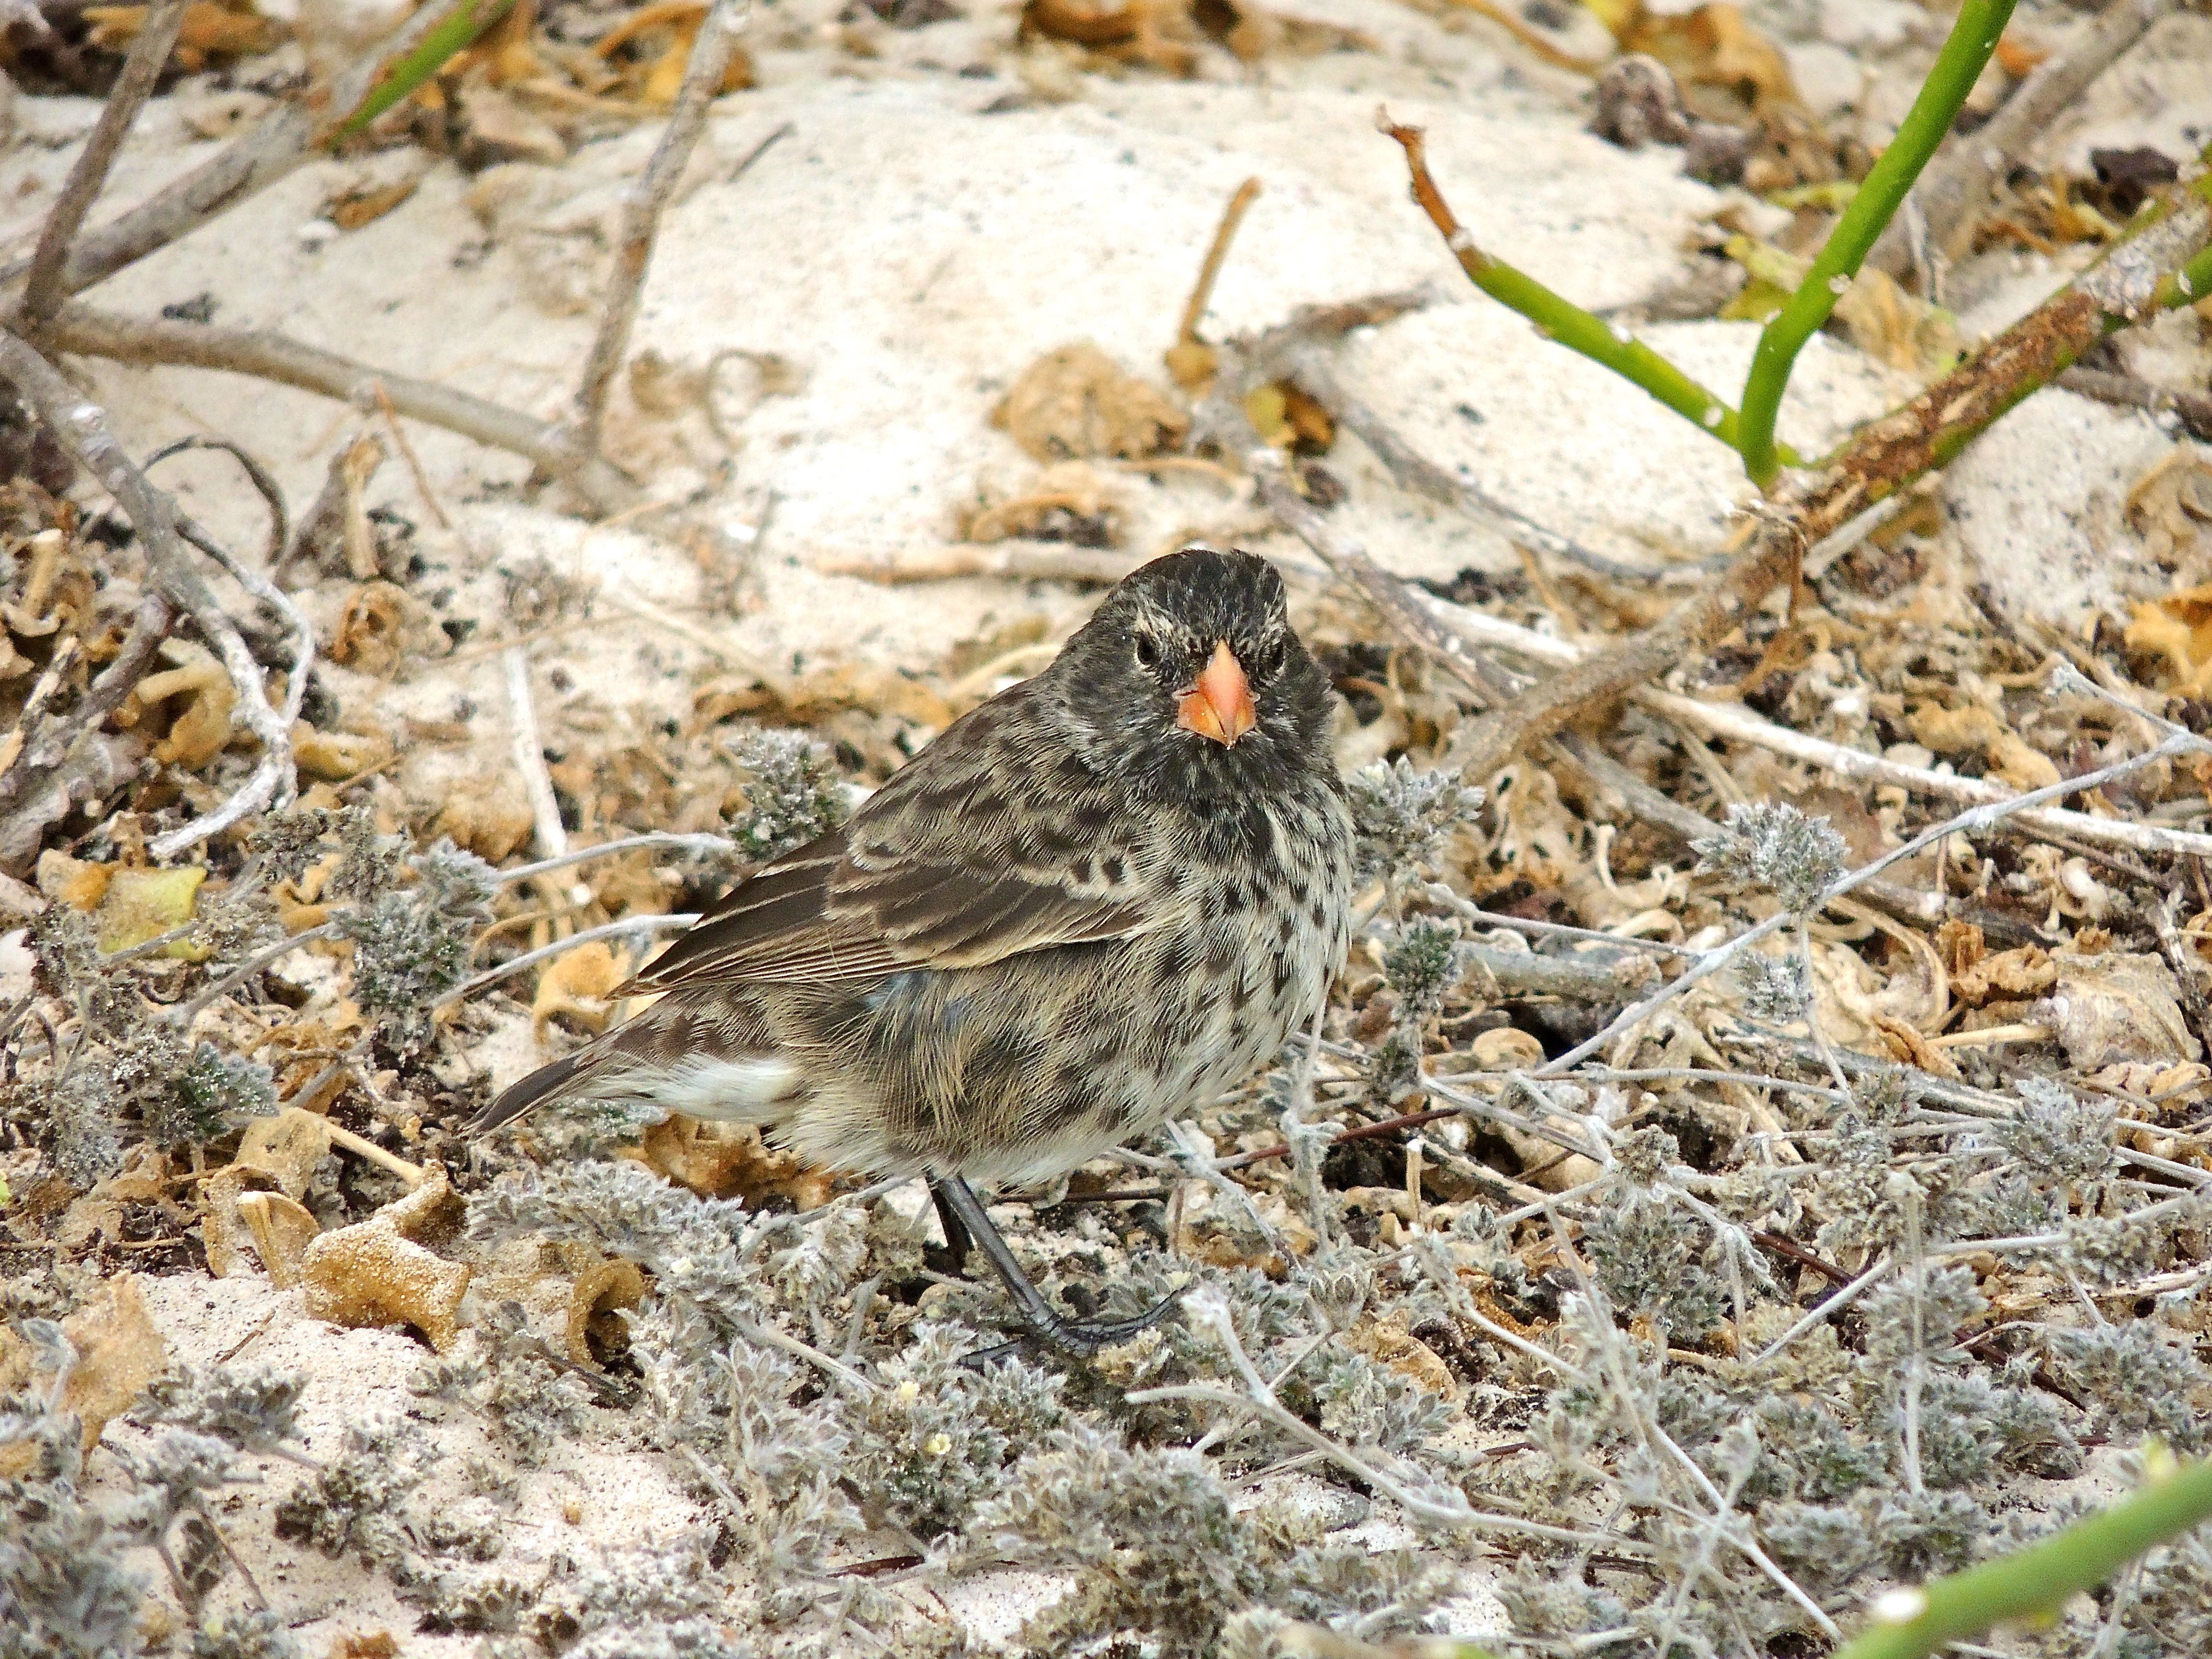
point(1190, 678)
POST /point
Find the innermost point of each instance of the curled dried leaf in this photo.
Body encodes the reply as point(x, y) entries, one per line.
point(77, 882)
point(2170, 507)
point(491, 821)
point(1388, 1341)
point(340, 756)
point(223, 1229)
point(1069, 503)
point(598, 1295)
point(2028, 971)
point(1908, 1046)
point(57, 588)
point(276, 1156)
point(1157, 34)
point(382, 1271)
point(372, 628)
point(286, 1148)
point(663, 35)
point(1726, 69)
point(1507, 1049)
point(1976, 728)
point(209, 31)
point(196, 700)
point(119, 1352)
point(364, 202)
point(577, 985)
point(282, 1227)
point(2117, 1007)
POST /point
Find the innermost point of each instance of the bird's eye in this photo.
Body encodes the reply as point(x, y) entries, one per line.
point(1266, 658)
point(1148, 651)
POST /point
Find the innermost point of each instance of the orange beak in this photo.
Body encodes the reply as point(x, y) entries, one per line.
point(1219, 706)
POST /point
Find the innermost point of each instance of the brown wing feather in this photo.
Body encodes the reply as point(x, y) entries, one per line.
point(926, 875)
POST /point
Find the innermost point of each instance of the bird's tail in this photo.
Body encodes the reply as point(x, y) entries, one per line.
point(544, 1083)
point(704, 1056)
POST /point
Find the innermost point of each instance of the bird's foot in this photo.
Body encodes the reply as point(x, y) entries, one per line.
point(967, 1222)
point(1076, 1339)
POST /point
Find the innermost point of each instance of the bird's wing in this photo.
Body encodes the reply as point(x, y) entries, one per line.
point(939, 869)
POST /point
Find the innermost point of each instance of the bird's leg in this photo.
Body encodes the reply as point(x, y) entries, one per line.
point(957, 1200)
point(954, 1261)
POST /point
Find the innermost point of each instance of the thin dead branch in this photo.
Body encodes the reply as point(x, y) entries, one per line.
point(268, 355)
point(414, 462)
point(142, 68)
point(1973, 819)
point(1416, 473)
point(550, 835)
point(1009, 561)
point(644, 202)
point(1190, 359)
point(1389, 596)
point(265, 485)
point(263, 587)
point(2192, 410)
point(275, 731)
point(1734, 723)
point(1437, 1508)
point(629, 926)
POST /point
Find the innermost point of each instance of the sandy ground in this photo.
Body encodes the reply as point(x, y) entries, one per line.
point(910, 252)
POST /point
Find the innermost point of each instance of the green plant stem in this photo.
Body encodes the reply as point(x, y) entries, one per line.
point(2039, 1579)
point(2193, 282)
point(453, 36)
point(1558, 317)
point(1973, 38)
point(2131, 281)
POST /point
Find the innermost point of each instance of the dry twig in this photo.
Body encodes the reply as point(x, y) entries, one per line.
point(150, 52)
point(1009, 561)
point(268, 355)
point(1974, 818)
point(627, 924)
point(2193, 409)
point(642, 206)
point(1735, 723)
point(551, 836)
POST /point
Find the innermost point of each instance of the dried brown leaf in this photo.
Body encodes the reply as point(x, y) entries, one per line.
point(1388, 1341)
point(1068, 501)
point(119, 1352)
point(731, 1160)
point(199, 724)
point(598, 1295)
point(282, 1227)
point(1077, 403)
point(576, 985)
point(382, 1271)
point(490, 820)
